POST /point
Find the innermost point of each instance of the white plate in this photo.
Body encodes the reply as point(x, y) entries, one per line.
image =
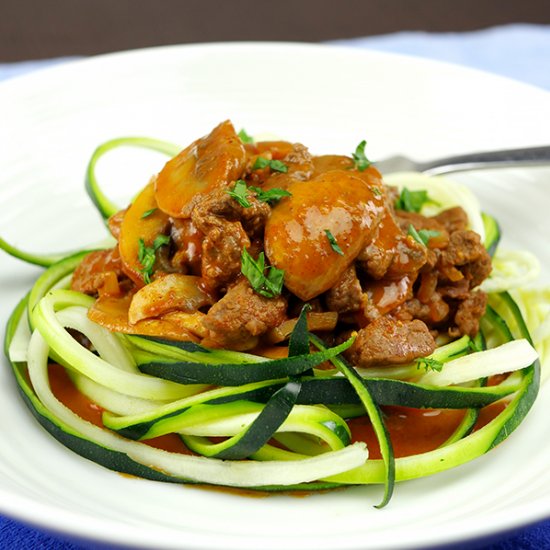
point(329, 99)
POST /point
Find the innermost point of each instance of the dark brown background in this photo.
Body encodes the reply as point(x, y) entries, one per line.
point(34, 29)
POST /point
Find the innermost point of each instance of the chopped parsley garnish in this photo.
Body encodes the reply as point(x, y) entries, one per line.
point(239, 193)
point(271, 195)
point(244, 137)
point(359, 157)
point(334, 245)
point(276, 165)
point(147, 213)
point(266, 282)
point(146, 255)
point(422, 236)
point(377, 192)
point(412, 201)
point(427, 363)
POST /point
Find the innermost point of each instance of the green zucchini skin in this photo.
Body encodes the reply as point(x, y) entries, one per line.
point(492, 233)
point(234, 374)
point(340, 392)
point(531, 377)
point(266, 424)
point(373, 471)
point(113, 460)
point(104, 205)
point(278, 407)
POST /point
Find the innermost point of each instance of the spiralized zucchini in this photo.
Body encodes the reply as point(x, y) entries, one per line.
point(287, 429)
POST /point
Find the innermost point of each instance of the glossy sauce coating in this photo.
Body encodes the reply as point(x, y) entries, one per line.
point(295, 234)
point(212, 161)
point(66, 392)
point(137, 225)
point(412, 431)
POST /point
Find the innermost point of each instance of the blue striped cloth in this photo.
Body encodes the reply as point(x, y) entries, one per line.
point(518, 51)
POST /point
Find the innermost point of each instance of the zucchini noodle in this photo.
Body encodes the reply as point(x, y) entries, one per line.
point(244, 419)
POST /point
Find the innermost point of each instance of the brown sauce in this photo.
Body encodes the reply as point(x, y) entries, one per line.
point(64, 389)
point(412, 431)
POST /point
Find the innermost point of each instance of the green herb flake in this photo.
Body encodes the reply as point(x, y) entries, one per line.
point(376, 191)
point(429, 364)
point(147, 213)
point(276, 165)
point(359, 157)
point(266, 282)
point(422, 236)
point(239, 193)
point(146, 255)
point(260, 163)
point(334, 245)
point(244, 137)
point(412, 201)
point(271, 195)
point(159, 241)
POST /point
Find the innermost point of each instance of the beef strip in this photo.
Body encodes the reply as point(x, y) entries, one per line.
point(409, 258)
point(387, 341)
point(95, 269)
point(227, 227)
point(295, 156)
point(454, 219)
point(464, 247)
point(376, 259)
point(469, 312)
point(346, 295)
point(467, 254)
point(477, 271)
point(115, 222)
point(391, 253)
point(235, 321)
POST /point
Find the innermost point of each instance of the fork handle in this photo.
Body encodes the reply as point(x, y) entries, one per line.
point(530, 156)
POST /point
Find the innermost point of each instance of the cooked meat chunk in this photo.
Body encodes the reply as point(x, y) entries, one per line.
point(409, 258)
point(458, 290)
point(376, 259)
point(240, 316)
point(221, 252)
point(469, 312)
point(419, 221)
point(464, 247)
point(115, 221)
point(454, 219)
point(388, 342)
point(296, 158)
point(226, 226)
point(97, 269)
point(299, 162)
point(220, 204)
point(433, 312)
point(477, 271)
point(466, 252)
point(391, 253)
point(187, 240)
point(346, 295)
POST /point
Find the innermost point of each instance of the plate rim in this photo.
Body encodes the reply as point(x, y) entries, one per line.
point(75, 530)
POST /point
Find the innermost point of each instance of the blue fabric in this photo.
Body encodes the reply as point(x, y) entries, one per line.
point(517, 51)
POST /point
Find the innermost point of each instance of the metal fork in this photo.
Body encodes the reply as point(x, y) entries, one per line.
point(530, 156)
